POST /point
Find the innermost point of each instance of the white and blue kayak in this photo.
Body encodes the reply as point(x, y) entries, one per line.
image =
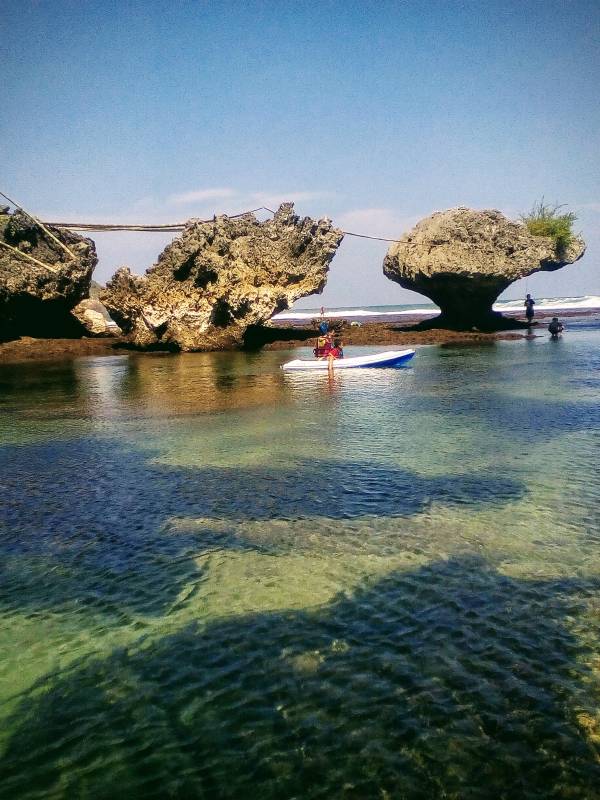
point(391, 358)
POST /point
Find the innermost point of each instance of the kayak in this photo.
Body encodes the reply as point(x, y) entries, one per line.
point(391, 358)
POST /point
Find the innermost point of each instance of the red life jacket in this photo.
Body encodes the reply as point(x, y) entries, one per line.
point(324, 350)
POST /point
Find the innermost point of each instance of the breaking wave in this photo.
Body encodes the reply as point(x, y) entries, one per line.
point(549, 303)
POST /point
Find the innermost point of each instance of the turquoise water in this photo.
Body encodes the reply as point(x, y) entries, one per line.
point(222, 581)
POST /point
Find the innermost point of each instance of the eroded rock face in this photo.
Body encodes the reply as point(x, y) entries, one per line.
point(92, 315)
point(463, 259)
point(220, 277)
point(34, 300)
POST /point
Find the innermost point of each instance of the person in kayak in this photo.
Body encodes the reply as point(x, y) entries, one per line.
point(555, 328)
point(529, 304)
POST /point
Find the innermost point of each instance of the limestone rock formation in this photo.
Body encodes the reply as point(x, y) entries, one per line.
point(463, 259)
point(35, 300)
point(221, 277)
point(94, 318)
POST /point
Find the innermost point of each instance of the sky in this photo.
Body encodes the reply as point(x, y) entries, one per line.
point(374, 114)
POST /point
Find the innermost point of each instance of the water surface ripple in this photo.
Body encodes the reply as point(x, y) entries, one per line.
point(218, 580)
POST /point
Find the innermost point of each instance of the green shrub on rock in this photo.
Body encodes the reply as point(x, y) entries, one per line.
point(547, 220)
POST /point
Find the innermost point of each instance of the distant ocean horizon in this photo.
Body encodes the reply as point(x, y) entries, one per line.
point(583, 303)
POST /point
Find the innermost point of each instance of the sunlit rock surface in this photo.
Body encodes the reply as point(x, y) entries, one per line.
point(221, 277)
point(463, 259)
point(92, 315)
point(34, 300)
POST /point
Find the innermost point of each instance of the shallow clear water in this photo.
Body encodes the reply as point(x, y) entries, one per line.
point(222, 581)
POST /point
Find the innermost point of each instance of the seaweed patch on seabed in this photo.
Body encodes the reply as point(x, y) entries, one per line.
point(449, 681)
point(91, 531)
point(538, 419)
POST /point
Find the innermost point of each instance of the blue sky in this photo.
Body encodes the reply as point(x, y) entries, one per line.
point(373, 113)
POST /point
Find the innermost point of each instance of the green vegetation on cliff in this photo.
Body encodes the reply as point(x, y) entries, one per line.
point(547, 220)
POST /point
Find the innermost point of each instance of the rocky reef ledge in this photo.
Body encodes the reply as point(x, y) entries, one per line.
point(42, 279)
point(463, 259)
point(220, 278)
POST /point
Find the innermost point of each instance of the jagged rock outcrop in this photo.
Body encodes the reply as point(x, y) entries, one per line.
point(35, 300)
point(221, 277)
point(463, 259)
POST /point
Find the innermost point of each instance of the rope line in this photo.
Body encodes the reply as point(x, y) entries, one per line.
point(176, 227)
point(364, 236)
point(28, 257)
point(349, 233)
point(169, 227)
point(70, 253)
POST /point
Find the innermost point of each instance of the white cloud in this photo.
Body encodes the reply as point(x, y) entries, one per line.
point(200, 196)
point(384, 222)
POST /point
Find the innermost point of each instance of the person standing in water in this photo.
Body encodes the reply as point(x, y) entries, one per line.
point(337, 350)
point(529, 304)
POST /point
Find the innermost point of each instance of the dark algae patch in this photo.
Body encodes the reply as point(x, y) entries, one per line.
point(448, 681)
point(92, 532)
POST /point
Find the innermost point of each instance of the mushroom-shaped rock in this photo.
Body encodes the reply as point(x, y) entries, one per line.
point(221, 277)
point(463, 259)
point(40, 280)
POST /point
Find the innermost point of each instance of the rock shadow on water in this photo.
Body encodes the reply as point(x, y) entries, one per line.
point(56, 380)
point(538, 419)
point(94, 523)
point(451, 681)
point(83, 526)
point(533, 419)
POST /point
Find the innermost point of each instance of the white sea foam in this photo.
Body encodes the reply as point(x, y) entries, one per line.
point(357, 312)
point(553, 304)
point(542, 304)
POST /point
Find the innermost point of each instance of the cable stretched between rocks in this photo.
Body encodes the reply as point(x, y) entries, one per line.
point(168, 227)
point(42, 226)
point(349, 233)
point(173, 227)
point(177, 227)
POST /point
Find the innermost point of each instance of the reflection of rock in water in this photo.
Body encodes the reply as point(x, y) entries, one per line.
point(34, 300)
point(463, 259)
point(220, 277)
point(195, 384)
point(448, 681)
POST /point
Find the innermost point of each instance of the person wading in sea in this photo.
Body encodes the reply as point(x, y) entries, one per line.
point(529, 304)
point(336, 351)
point(555, 328)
